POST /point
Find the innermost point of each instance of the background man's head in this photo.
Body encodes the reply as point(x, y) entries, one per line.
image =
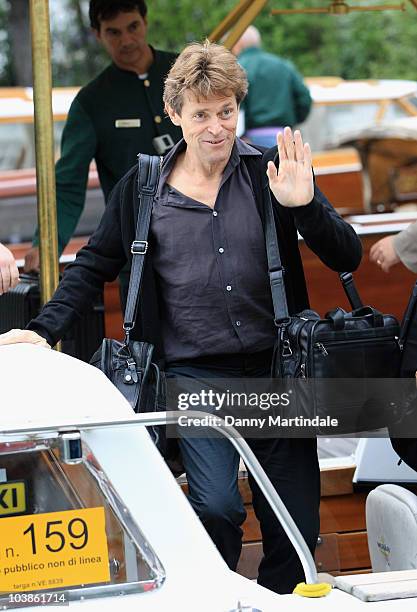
point(202, 94)
point(109, 9)
point(121, 27)
point(250, 38)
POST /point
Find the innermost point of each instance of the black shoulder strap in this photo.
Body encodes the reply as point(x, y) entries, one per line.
point(149, 167)
point(350, 290)
point(275, 269)
point(260, 184)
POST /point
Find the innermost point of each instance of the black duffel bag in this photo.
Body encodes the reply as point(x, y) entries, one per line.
point(341, 366)
point(128, 364)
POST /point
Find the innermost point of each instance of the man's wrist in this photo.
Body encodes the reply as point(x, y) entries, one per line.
point(306, 209)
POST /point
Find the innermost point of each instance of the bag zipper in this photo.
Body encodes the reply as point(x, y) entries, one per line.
point(303, 366)
point(322, 348)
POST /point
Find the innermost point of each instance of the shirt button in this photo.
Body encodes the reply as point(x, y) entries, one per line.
point(214, 213)
point(238, 323)
point(228, 288)
point(157, 119)
point(146, 83)
point(221, 250)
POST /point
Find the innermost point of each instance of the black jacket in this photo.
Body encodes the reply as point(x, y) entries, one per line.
point(324, 231)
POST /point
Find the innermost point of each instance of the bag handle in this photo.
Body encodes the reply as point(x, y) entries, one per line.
point(338, 317)
point(149, 168)
point(373, 314)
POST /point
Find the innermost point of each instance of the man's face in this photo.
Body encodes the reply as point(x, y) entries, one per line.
point(124, 38)
point(208, 126)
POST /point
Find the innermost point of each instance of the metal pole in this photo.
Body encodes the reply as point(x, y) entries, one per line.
point(229, 21)
point(45, 171)
point(237, 21)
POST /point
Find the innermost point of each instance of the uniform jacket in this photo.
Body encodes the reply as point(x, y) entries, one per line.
point(111, 120)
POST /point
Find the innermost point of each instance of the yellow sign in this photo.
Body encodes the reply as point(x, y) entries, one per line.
point(12, 497)
point(53, 550)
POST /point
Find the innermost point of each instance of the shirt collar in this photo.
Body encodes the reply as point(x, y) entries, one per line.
point(239, 149)
point(243, 148)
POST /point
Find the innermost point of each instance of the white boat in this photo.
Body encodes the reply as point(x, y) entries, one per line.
point(69, 436)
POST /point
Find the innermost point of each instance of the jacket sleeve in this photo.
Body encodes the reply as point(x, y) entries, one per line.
point(78, 147)
point(98, 262)
point(324, 231)
point(405, 245)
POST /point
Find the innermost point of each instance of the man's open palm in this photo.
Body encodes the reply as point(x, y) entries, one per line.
point(293, 184)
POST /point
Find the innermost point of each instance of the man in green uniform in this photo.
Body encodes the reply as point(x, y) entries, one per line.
point(277, 95)
point(114, 117)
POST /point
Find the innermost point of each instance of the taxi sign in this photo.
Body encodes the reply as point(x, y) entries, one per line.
point(53, 550)
point(13, 499)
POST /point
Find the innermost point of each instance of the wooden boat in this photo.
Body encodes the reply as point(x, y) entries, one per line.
point(389, 160)
point(378, 118)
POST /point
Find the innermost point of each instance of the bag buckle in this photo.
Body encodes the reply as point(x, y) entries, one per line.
point(127, 329)
point(286, 344)
point(286, 349)
point(130, 375)
point(139, 247)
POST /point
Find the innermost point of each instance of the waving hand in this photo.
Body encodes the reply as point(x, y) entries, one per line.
point(292, 185)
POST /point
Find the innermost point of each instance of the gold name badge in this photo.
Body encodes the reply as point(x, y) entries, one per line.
point(53, 550)
point(127, 123)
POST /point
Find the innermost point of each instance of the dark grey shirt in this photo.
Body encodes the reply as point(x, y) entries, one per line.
point(211, 266)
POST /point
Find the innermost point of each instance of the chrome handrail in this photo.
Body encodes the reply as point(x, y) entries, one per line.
point(148, 419)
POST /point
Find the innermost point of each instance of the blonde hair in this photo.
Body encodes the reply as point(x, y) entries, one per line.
point(205, 69)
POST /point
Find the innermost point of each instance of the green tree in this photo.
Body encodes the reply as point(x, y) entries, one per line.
point(353, 46)
point(174, 24)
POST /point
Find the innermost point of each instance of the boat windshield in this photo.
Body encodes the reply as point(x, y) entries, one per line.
point(63, 528)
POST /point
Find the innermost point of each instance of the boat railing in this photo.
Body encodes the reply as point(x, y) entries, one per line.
point(241, 446)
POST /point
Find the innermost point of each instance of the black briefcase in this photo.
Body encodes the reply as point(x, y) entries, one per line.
point(347, 362)
point(22, 303)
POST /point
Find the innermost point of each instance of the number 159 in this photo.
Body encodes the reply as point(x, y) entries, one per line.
point(76, 530)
